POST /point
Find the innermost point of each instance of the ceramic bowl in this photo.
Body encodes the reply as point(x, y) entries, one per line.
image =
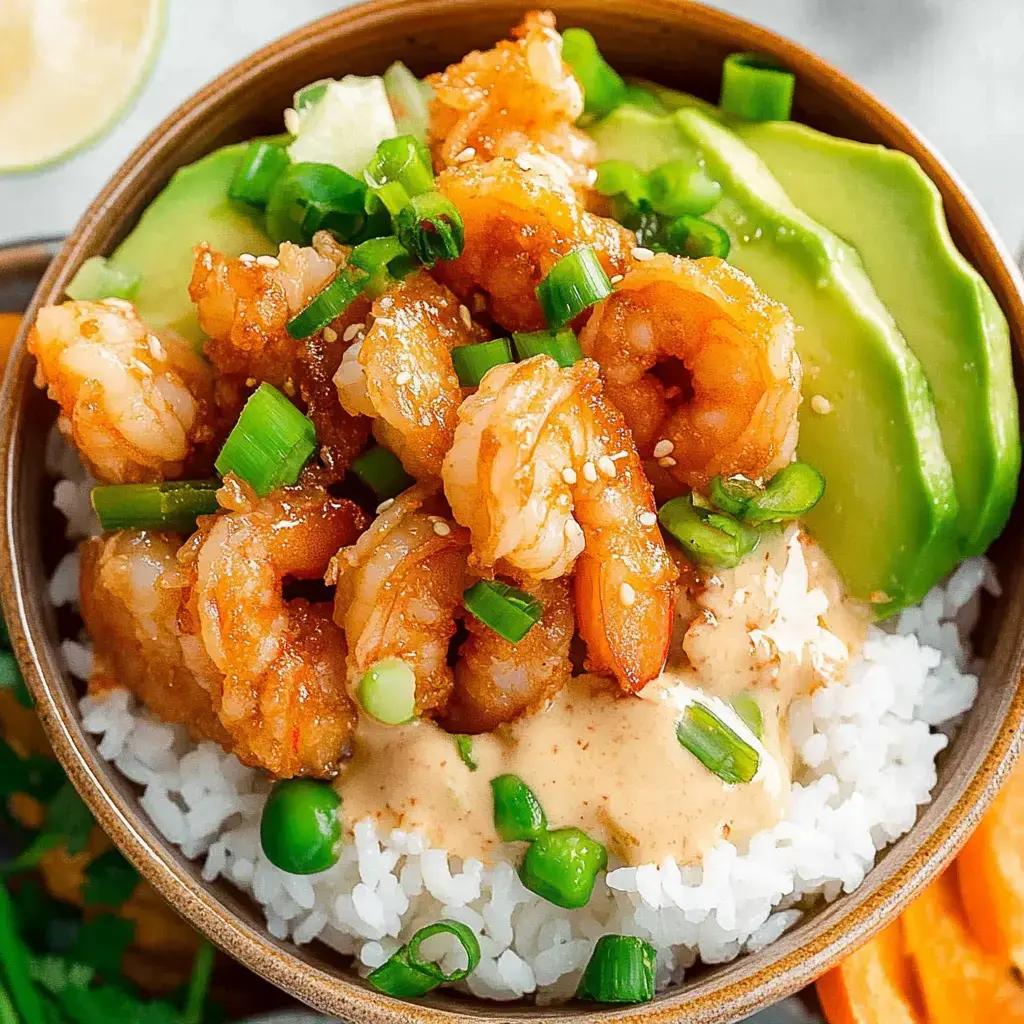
point(678, 44)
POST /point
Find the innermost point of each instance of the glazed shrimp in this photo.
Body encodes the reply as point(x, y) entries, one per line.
point(518, 97)
point(519, 222)
point(244, 305)
point(281, 693)
point(545, 475)
point(399, 595)
point(137, 405)
point(732, 407)
point(400, 373)
point(132, 618)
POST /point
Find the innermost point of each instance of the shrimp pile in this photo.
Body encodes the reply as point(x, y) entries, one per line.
point(727, 398)
point(137, 405)
point(520, 97)
point(545, 475)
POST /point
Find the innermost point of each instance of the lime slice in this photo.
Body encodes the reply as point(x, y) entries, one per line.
point(67, 70)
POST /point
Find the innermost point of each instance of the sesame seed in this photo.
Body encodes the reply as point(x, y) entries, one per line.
point(441, 528)
point(247, 257)
point(617, 278)
point(821, 405)
point(383, 321)
point(569, 475)
point(589, 473)
point(627, 595)
point(663, 447)
point(350, 332)
point(466, 155)
point(250, 382)
point(606, 466)
point(619, 455)
point(385, 505)
point(667, 462)
point(156, 349)
point(403, 378)
point(640, 253)
point(330, 335)
point(267, 261)
point(465, 317)
point(647, 519)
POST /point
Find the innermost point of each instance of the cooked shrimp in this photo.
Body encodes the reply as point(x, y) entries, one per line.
point(517, 98)
point(137, 405)
point(401, 372)
point(519, 223)
point(132, 618)
point(244, 305)
point(399, 594)
point(725, 395)
point(281, 695)
point(544, 473)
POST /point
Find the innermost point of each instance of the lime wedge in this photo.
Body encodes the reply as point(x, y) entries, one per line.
point(67, 70)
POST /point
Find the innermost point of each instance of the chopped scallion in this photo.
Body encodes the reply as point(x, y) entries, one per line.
point(562, 345)
point(348, 284)
point(262, 164)
point(407, 975)
point(603, 87)
point(791, 493)
point(381, 471)
point(756, 87)
point(172, 506)
point(388, 692)
point(575, 282)
point(384, 259)
point(709, 538)
point(620, 177)
point(745, 705)
point(269, 444)
point(403, 159)
point(732, 494)
point(682, 186)
point(518, 815)
point(716, 745)
point(391, 196)
point(696, 237)
point(464, 745)
point(308, 197)
point(472, 362)
point(620, 970)
point(510, 612)
point(310, 95)
point(562, 866)
point(97, 278)
point(431, 228)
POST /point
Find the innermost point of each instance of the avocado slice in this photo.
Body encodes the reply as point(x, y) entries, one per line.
point(888, 517)
point(888, 209)
point(194, 207)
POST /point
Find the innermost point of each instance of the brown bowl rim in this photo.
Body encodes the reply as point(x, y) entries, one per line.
point(921, 856)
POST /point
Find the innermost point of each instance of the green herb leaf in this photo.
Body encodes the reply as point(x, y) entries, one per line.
point(102, 942)
point(109, 880)
point(464, 745)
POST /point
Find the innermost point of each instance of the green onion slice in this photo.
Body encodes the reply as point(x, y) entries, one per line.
point(620, 177)
point(620, 970)
point(464, 746)
point(733, 494)
point(472, 362)
point(791, 493)
point(709, 538)
point(562, 866)
point(518, 815)
point(403, 159)
point(431, 228)
point(562, 345)
point(262, 164)
point(309, 197)
point(410, 100)
point(388, 692)
point(696, 237)
point(746, 706)
point(269, 444)
point(391, 196)
point(575, 282)
point(603, 87)
point(348, 284)
point(407, 975)
point(310, 95)
point(756, 87)
point(384, 259)
point(173, 505)
point(510, 612)
point(682, 186)
point(716, 745)
point(97, 278)
point(382, 472)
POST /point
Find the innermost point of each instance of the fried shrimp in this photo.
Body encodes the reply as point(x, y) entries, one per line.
point(137, 405)
point(132, 618)
point(278, 686)
point(244, 305)
point(519, 223)
point(545, 475)
point(519, 97)
point(728, 354)
point(401, 372)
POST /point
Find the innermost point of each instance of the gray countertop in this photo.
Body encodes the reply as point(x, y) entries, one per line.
point(951, 67)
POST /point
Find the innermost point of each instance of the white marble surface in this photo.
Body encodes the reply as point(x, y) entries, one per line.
point(952, 67)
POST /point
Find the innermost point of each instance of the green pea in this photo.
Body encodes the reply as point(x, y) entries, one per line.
point(300, 830)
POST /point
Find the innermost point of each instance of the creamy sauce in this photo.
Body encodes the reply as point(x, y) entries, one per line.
point(612, 765)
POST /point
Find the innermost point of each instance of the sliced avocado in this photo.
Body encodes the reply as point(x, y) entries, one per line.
point(888, 517)
point(194, 207)
point(888, 209)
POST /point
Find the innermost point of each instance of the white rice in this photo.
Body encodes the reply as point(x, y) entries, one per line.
point(865, 752)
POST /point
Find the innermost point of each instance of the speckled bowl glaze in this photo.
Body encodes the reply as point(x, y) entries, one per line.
point(678, 44)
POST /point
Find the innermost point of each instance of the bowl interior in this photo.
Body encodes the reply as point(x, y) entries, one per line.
point(677, 44)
